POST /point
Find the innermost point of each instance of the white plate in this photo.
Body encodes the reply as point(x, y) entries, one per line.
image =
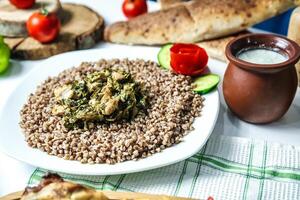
point(12, 140)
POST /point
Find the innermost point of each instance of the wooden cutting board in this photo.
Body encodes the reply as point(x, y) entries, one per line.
point(81, 29)
point(13, 20)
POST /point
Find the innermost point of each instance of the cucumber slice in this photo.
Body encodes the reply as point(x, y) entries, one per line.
point(206, 83)
point(164, 57)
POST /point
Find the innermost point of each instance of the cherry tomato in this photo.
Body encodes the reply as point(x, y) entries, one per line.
point(188, 59)
point(43, 26)
point(133, 8)
point(23, 4)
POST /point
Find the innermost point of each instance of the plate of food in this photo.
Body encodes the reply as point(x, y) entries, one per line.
point(52, 186)
point(106, 111)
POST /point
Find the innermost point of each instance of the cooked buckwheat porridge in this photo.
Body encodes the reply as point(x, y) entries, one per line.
point(166, 118)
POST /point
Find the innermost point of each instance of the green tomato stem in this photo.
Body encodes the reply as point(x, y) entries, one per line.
point(44, 11)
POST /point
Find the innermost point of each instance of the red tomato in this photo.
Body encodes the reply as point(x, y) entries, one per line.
point(210, 198)
point(133, 8)
point(43, 26)
point(22, 4)
point(188, 59)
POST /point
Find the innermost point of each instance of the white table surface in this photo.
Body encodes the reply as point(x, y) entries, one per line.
point(14, 174)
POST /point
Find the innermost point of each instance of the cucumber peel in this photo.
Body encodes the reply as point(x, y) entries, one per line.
point(4, 55)
point(206, 83)
point(164, 57)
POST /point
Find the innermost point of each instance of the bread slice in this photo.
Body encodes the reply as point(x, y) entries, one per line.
point(13, 20)
point(194, 21)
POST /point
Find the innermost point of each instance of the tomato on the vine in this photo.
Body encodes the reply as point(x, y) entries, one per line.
point(43, 26)
point(133, 8)
point(23, 4)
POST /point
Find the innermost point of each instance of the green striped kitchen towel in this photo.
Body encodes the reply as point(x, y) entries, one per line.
point(226, 168)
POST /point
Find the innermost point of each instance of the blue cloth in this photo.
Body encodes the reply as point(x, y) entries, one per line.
point(278, 24)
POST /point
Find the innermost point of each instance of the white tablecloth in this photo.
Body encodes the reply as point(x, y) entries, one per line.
point(14, 174)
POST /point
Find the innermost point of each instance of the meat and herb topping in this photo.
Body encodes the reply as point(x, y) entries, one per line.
point(104, 96)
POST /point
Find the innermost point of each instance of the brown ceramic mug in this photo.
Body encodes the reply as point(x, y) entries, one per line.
point(260, 93)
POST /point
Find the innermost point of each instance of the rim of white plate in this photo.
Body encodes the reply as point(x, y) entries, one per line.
point(41, 159)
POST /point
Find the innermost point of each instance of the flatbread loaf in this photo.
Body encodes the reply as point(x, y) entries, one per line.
point(168, 3)
point(195, 21)
point(294, 33)
point(216, 48)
